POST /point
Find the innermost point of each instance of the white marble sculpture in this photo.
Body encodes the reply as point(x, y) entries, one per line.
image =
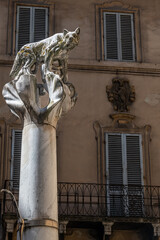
point(21, 93)
point(38, 174)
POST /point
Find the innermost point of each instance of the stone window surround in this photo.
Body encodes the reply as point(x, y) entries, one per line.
point(11, 33)
point(116, 7)
point(101, 158)
point(6, 141)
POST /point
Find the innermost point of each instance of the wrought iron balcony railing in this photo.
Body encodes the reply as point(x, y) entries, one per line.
point(100, 200)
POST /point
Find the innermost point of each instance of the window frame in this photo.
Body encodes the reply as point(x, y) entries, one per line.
point(8, 149)
point(12, 13)
point(119, 42)
point(101, 151)
point(121, 192)
point(124, 155)
point(32, 21)
point(116, 7)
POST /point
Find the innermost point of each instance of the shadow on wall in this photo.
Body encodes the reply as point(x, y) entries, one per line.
point(132, 232)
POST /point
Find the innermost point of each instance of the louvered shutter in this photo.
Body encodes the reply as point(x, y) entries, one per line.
point(23, 26)
point(124, 174)
point(115, 159)
point(134, 175)
point(16, 157)
point(119, 36)
point(110, 36)
point(115, 174)
point(40, 23)
point(127, 37)
point(133, 152)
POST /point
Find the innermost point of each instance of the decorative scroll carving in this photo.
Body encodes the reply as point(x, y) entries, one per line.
point(22, 93)
point(120, 94)
point(63, 227)
point(108, 228)
point(156, 228)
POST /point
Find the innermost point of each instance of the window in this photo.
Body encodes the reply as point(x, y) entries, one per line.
point(124, 174)
point(16, 157)
point(118, 32)
point(124, 158)
point(31, 25)
point(119, 36)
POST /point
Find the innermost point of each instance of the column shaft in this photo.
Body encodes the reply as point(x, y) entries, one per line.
point(38, 181)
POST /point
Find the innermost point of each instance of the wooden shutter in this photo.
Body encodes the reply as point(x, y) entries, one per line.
point(16, 157)
point(124, 167)
point(114, 152)
point(23, 26)
point(115, 174)
point(127, 37)
point(124, 159)
point(119, 36)
point(110, 36)
point(134, 175)
point(40, 23)
point(133, 152)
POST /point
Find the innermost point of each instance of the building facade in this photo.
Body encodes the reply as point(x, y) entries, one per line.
point(108, 144)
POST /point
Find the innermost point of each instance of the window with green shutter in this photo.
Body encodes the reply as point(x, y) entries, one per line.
point(31, 25)
point(16, 157)
point(124, 174)
point(119, 40)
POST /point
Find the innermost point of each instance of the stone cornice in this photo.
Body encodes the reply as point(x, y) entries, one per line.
point(114, 69)
point(6, 60)
point(141, 69)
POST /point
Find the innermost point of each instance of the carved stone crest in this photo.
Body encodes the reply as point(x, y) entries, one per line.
point(121, 94)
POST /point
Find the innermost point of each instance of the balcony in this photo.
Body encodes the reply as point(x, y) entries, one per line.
point(99, 201)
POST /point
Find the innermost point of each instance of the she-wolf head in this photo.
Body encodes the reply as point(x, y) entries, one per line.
point(71, 38)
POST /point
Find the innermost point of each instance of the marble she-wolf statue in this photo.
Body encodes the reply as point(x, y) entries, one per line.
point(51, 55)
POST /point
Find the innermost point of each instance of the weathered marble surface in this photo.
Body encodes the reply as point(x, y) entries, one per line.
point(38, 174)
point(38, 181)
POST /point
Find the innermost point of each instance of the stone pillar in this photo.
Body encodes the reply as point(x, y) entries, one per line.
point(38, 175)
point(38, 182)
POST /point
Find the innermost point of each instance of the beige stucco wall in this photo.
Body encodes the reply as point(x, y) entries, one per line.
point(75, 131)
point(76, 143)
point(82, 13)
point(77, 153)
